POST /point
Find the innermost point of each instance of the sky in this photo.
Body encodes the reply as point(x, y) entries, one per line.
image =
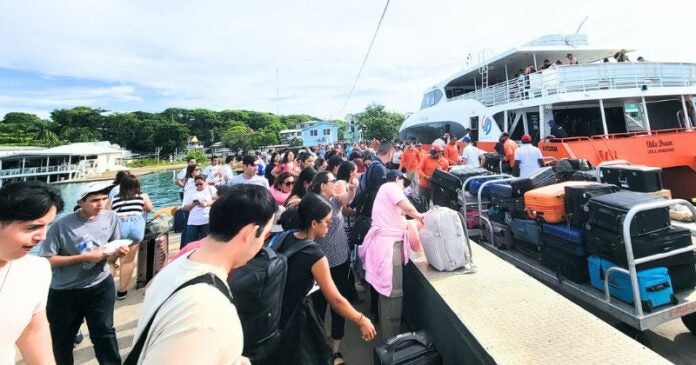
point(289, 57)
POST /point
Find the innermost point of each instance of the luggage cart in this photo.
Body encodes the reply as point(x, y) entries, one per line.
point(634, 315)
point(479, 202)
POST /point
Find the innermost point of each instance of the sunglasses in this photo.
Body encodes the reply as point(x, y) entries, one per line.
point(288, 183)
point(197, 169)
point(332, 181)
point(199, 184)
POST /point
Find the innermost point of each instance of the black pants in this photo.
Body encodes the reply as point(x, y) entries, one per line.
point(339, 275)
point(66, 309)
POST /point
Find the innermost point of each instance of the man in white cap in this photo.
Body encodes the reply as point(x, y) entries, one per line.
point(82, 287)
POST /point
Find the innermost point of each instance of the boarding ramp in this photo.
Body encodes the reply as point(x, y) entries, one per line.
point(500, 315)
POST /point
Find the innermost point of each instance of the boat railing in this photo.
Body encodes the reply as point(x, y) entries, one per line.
point(585, 77)
point(38, 170)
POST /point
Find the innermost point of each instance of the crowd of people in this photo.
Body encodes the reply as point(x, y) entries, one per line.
point(312, 201)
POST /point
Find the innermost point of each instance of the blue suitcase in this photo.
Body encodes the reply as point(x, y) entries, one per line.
point(654, 284)
point(501, 190)
point(564, 237)
point(475, 185)
point(526, 230)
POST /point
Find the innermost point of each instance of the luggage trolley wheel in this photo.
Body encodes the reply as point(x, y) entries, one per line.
point(673, 299)
point(689, 321)
point(647, 307)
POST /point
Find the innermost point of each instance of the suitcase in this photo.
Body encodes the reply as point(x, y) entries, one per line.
point(543, 177)
point(608, 211)
point(681, 268)
point(502, 235)
point(584, 176)
point(152, 256)
point(497, 214)
point(501, 189)
point(576, 198)
point(411, 348)
point(446, 198)
point(464, 172)
point(654, 284)
point(548, 203)
point(564, 237)
point(420, 203)
point(569, 165)
point(475, 185)
point(529, 249)
point(635, 178)
point(472, 218)
point(566, 265)
point(446, 181)
point(443, 239)
point(513, 206)
point(526, 230)
point(493, 163)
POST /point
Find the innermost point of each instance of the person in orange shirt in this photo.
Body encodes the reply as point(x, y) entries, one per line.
point(410, 162)
point(509, 146)
point(452, 152)
point(428, 165)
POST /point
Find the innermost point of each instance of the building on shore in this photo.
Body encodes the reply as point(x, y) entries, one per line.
point(320, 133)
point(353, 131)
point(63, 163)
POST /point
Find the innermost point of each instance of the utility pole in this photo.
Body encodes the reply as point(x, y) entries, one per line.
point(158, 154)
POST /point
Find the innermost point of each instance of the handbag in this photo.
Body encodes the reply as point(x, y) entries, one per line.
point(359, 230)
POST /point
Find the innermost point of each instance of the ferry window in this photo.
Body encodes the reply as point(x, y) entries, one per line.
point(633, 115)
point(431, 98)
point(499, 120)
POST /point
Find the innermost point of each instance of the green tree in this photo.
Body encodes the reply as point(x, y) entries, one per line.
point(199, 155)
point(21, 118)
point(377, 123)
point(295, 142)
point(237, 137)
point(79, 124)
point(168, 135)
point(262, 138)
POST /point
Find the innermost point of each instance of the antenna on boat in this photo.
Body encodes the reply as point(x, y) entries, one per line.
point(581, 24)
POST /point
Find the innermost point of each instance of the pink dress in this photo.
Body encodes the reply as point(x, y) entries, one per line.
point(388, 226)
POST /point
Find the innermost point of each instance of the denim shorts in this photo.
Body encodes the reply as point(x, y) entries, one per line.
point(132, 227)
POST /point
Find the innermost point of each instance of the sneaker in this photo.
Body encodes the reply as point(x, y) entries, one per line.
point(359, 287)
point(121, 295)
point(338, 359)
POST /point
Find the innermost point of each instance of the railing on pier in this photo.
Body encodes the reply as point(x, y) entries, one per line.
point(585, 77)
point(43, 170)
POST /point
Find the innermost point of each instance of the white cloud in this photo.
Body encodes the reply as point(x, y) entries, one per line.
point(224, 54)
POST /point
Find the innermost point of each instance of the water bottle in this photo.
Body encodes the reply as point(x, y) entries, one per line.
point(85, 246)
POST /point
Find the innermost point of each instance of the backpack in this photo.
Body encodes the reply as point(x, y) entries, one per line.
point(257, 289)
point(444, 240)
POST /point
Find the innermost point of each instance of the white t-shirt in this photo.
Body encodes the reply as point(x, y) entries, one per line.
point(23, 294)
point(472, 154)
point(529, 157)
point(210, 172)
point(197, 325)
point(256, 180)
point(199, 216)
point(227, 174)
point(396, 158)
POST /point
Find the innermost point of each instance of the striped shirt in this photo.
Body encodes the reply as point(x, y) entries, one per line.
point(134, 206)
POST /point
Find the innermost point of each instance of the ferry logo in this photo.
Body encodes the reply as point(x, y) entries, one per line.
point(487, 125)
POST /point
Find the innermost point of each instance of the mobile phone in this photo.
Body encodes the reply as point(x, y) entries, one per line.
point(196, 201)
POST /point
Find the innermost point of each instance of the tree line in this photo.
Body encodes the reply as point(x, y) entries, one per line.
point(171, 129)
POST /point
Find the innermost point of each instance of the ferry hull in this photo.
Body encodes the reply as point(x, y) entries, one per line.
point(673, 150)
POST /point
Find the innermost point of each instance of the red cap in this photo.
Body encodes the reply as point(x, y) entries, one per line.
point(526, 138)
point(436, 147)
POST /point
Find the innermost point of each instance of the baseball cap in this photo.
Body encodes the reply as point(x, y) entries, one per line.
point(466, 139)
point(436, 148)
point(94, 187)
point(393, 174)
point(526, 138)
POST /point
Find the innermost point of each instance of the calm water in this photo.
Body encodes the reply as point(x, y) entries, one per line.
point(160, 187)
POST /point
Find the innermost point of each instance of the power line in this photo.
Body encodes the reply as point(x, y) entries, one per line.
point(357, 77)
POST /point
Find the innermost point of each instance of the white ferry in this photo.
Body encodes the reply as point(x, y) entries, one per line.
point(638, 111)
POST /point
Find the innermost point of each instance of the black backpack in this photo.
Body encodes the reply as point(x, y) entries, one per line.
point(257, 289)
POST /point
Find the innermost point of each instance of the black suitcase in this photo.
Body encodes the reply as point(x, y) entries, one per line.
point(608, 211)
point(464, 172)
point(446, 181)
point(576, 198)
point(584, 176)
point(635, 178)
point(566, 265)
point(152, 256)
point(514, 206)
point(494, 163)
point(180, 220)
point(682, 267)
point(541, 178)
point(411, 348)
point(446, 198)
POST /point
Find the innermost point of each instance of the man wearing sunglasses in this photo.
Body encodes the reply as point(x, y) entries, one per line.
point(249, 166)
